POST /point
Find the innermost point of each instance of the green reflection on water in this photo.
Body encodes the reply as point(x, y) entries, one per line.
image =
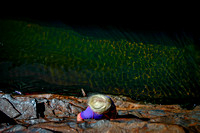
point(118, 66)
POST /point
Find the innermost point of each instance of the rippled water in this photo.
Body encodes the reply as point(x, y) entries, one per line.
point(59, 58)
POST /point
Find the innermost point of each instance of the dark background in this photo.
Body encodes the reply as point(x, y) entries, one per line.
point(167, 17)
point(174, 22)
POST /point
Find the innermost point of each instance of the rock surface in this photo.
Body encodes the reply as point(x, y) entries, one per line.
point(55, 113)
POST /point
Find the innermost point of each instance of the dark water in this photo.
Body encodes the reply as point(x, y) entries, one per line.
point(155, 66)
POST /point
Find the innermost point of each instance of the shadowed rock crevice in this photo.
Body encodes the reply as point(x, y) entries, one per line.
point(40, 108)
point(133, 117)
point(6, 119)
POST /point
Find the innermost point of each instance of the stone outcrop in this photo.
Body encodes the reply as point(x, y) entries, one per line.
point(55, 113)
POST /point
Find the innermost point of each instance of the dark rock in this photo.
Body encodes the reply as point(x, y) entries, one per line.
point(39, 130)
point(60, 108)
point(55, 127)
point(195, 115)
point(157, 112)
point(8, 108)
point(24, 105)
point(16, 128)
point(56, 113)
point(4, 127)
point(35, 121)
point(194, 129)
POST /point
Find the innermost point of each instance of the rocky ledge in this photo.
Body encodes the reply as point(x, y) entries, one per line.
point(55, 113)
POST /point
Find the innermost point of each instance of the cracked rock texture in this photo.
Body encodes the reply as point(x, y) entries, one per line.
point(55, 113)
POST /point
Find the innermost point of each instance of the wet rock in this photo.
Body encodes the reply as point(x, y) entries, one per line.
point(56, 113)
